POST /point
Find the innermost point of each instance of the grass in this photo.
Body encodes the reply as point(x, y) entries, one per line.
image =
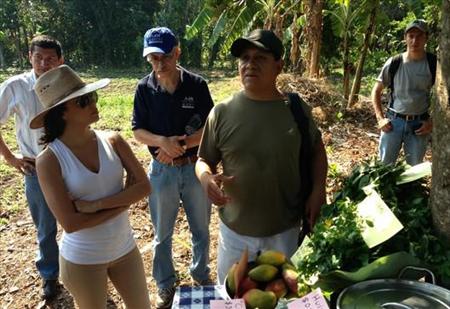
point(115, 106)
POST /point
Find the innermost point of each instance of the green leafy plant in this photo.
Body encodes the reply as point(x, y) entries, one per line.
point(336, 242)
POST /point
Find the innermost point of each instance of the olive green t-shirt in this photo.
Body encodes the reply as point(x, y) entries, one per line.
point(258, 143)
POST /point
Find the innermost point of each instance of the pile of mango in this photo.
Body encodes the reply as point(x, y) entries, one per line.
point(263, 281)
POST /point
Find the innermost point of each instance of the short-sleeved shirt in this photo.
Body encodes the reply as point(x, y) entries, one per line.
point(258, 142)
point(18, 98)
point(412, 85)
point(162, 113)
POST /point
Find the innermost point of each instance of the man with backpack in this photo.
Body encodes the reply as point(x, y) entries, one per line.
point(409, 77)
point(258, 139)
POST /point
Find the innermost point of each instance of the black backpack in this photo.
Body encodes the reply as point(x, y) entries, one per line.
point(306, 153)
point(397, 60)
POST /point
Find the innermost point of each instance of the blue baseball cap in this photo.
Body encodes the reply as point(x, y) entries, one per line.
point(159, 40)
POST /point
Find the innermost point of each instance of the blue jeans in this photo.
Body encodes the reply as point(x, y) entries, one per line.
point(170, 184)
point(402, 133)
point(48, 253)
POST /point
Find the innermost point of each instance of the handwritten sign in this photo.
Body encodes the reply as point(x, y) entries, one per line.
point(227, 304)
point(313, 300)
point(380, 223)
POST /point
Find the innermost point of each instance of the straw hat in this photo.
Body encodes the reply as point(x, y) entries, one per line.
point(58, 86)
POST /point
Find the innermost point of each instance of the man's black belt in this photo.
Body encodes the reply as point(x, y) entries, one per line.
point(183, 160)
point(423, 116)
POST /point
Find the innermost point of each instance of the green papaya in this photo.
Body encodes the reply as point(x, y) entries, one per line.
point(256, 298)
point(288, 265)
point(263, 273)
point(271, 257)
point(230, 284)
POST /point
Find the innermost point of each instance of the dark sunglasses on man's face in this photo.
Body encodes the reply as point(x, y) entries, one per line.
point(87, 99)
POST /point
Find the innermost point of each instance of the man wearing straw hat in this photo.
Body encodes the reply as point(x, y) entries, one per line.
point(18, 98)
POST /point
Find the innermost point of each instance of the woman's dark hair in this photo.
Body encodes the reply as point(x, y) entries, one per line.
point(54, 124)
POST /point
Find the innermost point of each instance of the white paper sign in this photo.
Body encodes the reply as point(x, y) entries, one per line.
point(313, 300)
point(380, 223)
point(227, 304)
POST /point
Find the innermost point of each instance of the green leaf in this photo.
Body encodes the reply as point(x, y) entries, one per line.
point(218, 29)
point(384, 267)
point(201, 21)
point(415, 172)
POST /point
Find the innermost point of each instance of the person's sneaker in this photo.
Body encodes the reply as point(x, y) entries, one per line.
point(49, 289)
point(165, 297)
point(204, 282)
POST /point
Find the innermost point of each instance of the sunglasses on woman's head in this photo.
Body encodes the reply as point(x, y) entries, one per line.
point(87, 99)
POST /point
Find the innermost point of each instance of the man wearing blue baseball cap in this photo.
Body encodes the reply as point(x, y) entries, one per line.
point(171, 105)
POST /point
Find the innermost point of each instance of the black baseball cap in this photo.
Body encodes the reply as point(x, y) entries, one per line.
point(419, 24)
point(263, 39)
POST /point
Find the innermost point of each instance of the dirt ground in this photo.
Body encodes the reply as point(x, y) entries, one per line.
point(349, 140)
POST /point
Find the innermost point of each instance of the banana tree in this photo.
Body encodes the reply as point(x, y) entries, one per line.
point(232, 19)
point(344, 18)
point(313, 31)
point(362, 58)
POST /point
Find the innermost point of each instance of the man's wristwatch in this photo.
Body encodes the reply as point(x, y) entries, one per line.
point(183, 144)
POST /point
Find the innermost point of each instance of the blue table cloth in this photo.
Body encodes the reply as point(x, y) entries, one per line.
point(197, 297)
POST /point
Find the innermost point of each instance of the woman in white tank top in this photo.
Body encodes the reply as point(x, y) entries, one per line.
point(81, 174)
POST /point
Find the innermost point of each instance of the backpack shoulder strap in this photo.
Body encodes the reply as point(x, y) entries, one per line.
point(305, 157)
point(297, 109)
point(432, 63)
point(392, 70)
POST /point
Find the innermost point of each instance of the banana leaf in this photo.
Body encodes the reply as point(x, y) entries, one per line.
point(415, 172)
point(385, 267)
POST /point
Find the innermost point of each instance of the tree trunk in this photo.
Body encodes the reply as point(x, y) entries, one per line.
point(2, 58)
point(313, 31)
point(346, 67)
point(295, 48)
point(358, 75)
point(440, 189)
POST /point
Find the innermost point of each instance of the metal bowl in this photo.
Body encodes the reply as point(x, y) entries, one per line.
point(394, 294)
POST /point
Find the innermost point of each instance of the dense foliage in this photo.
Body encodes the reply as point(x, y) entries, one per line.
point(336, 242)
point(109, 33)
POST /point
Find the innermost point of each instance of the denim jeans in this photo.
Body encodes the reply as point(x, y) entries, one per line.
point(402, 133)
point(170, 184)
point(47, 255)
point(231, 245)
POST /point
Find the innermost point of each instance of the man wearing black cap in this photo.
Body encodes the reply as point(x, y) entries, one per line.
point(255, 137)
point(410, 77)
point(170, 109)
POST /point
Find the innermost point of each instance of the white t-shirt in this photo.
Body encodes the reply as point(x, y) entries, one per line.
point(111, 239)
point(18, 98)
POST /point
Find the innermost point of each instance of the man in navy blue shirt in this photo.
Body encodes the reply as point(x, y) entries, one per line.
point(171, 105)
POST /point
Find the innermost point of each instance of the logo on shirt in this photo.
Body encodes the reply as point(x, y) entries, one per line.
point(188, 103)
